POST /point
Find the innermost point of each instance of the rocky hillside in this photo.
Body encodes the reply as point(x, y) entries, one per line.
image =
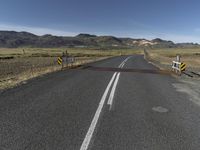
point(12, 39)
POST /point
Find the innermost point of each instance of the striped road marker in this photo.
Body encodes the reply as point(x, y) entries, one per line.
point(182, 66)
point(59, 60)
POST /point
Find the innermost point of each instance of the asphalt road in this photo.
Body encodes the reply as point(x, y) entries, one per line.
point(90, 109)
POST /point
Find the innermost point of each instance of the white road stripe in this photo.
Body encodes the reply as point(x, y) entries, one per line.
point(122, 65)
point(112, 93)
point(91, 129)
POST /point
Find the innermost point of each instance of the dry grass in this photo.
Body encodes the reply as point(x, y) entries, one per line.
point(20, 64)
point(165, 56)
point(54, 52)
point(22, 69)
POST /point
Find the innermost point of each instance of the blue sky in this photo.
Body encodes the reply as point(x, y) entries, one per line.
point(177, 20)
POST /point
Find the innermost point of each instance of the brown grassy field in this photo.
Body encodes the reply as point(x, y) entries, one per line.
point(165, 57)
point(20, 64)
point(54, 52)
point(17, 65)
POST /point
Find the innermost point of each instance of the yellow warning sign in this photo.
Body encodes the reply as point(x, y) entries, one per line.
point(59, 60)
point(182, 66)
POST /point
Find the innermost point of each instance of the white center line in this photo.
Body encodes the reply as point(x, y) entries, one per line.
point(92, 127)
point(122, 65)
point(112, 93)
point(110, 99)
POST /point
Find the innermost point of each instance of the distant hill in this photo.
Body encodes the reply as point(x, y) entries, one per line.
point(12, 39)
point(82, 35)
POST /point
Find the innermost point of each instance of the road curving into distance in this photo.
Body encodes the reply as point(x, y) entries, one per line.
point(100, 108)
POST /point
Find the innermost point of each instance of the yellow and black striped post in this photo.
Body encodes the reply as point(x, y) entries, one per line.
point(59, 60)
point(182, 66)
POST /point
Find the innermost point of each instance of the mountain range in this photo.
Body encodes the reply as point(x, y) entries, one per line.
point(12, 39)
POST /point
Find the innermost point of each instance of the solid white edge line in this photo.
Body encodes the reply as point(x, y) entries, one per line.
point(91, 129)
point(112, 93)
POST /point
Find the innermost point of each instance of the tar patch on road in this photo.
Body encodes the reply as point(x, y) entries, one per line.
point(148, 71)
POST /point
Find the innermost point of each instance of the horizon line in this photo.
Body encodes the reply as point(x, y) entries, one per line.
point(39, 31)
